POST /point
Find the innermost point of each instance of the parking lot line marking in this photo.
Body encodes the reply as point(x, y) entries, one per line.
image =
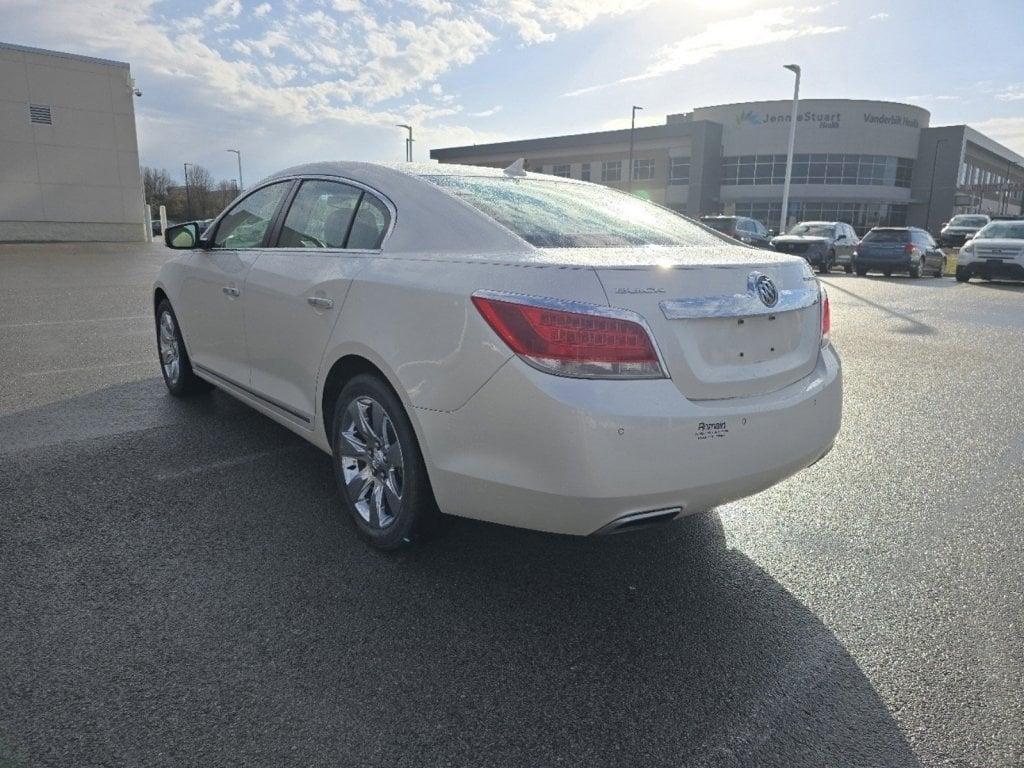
point(198, 469)
point(74, 322)
point(57, 371)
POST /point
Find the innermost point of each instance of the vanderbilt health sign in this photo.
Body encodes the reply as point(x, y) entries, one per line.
point(823, 125)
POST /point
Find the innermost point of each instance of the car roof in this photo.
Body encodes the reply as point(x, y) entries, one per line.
point(824, 223)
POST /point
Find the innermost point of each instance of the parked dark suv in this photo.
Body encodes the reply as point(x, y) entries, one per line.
point(962, 228)
point(899, 249)
point(749, 231)
point(823, 243)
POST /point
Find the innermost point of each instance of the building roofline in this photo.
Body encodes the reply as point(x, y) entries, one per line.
point(64, 55)
point(977, 137)
point(667, 130)
point(806, 100)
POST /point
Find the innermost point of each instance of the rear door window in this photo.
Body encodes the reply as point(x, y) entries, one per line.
point(320, 216)
point(370, 224)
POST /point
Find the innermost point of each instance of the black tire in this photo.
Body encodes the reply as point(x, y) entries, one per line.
point(862, 272)
point(826, 263)
point(962, 275)
point(887, 274)
point(915, 270)
point(848, 269)
point(180, 379)
point(941, 268)
point(404, 511)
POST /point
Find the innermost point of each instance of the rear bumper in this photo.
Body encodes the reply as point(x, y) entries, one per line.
point(881, 264)
point(571, 456)
point(1008, 270)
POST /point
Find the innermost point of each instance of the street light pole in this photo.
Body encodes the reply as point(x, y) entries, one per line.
point(408, 141)
point(188, 197)
point(239, 156)
point(632, 129)
point(795, 69)
point(931, 187)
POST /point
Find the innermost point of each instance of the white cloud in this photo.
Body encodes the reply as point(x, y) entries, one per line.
point(486, 113)
point(878, 16)
point(225, 9)
point(759, 28)
point(1012, 93)
point(432, 7)
point(538, 21)
point(262, 10)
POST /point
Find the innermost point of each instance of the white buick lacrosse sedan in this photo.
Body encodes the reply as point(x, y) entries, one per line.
point(502, 345)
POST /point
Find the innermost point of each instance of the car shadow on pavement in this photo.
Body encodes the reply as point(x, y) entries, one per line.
point(180, 588)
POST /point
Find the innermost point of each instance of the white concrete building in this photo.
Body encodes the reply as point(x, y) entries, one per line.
point(69, 159)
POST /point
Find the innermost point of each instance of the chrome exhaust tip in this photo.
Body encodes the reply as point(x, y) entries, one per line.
point(636, 520)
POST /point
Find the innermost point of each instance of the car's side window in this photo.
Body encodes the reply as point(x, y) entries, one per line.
point(246, 224)
point(370, 224)
point(320, 216)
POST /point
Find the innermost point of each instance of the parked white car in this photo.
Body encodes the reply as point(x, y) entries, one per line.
point(511, 347)
point(996, 252)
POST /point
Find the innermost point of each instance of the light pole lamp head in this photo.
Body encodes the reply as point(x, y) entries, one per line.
point(795, 68)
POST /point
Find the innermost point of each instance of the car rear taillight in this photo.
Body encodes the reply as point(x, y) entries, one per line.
point(572, 338)
point(826, 317)
point(908, 249)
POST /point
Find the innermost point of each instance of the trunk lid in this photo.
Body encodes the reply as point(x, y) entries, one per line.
point(716, 335)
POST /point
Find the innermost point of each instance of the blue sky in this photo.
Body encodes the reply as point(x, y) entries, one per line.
point(288, 81)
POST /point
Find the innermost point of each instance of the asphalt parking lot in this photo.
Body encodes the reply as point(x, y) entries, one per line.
point(178, 588)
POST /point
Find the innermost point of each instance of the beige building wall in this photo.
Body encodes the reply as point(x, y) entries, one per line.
point(77, 178)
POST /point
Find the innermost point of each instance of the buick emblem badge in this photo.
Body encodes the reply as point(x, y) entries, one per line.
point(765, 288)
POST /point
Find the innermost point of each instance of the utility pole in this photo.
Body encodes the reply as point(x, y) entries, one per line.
point(632, 130)
point(931, 186)
point(188, 197)
point(239, 155)
point(408, 141)
point(795, 69)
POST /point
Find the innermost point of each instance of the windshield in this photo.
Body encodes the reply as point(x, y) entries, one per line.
point(968, 221)
point(1011, 230)
point(887, 236)
point(557, 214)
point(814, 230)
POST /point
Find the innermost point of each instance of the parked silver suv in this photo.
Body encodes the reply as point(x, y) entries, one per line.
point(823, 244)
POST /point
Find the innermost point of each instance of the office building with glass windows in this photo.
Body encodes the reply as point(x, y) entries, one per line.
point(868, 163)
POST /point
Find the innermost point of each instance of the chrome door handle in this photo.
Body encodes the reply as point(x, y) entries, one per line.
point(230, 290)
point(320, 302)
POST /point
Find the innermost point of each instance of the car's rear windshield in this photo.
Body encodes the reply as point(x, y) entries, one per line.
point(968, 221)
point(1012, 230)
point(887, 236)
point(554, 214)
point(813, 230)
point(726, 225)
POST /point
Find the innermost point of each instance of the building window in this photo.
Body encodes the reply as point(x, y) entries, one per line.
point(585, 172)
point(643, 169)
point(831, 168)
point(679, 170)
point(611, 170)
point(560, 170)
point(863, 216)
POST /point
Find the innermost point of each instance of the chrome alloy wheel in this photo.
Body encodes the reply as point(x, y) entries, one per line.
point(371, 461)
point(170, 352)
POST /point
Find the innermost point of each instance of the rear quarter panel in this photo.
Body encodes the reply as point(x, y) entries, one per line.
point(414, 319)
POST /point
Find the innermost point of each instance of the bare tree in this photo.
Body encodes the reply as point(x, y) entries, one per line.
point(227, 190)
point(200, 186)
point(156, 183)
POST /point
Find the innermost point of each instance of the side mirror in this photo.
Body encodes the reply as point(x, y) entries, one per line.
point(772, 233)
point(182, 237)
